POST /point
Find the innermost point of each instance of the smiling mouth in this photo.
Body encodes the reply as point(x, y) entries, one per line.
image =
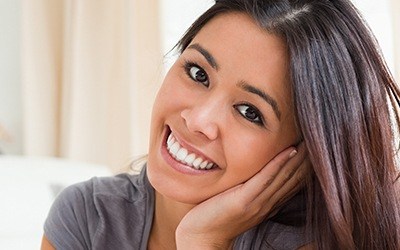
point(190, 159)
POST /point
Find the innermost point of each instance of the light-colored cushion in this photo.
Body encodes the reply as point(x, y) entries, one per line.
point(28, 186)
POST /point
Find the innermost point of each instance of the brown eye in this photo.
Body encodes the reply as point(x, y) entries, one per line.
point(198, 75)
point(250, 113)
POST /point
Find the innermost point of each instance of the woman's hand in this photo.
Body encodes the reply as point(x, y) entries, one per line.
point(214, 223)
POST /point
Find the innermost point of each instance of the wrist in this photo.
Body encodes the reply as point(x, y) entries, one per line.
point(201, 242)
point(183, 245)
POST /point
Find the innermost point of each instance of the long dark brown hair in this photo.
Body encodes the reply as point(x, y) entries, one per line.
point(345, 102)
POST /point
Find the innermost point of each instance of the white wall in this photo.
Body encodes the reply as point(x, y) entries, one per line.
point(177, 15)
point(10, 84)
point(378, 16)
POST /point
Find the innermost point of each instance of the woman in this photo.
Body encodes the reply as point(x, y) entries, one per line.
point(258, 86)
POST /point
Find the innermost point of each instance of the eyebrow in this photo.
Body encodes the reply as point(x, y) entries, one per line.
point(271, 101)
point(243, 85)
point(207, 55)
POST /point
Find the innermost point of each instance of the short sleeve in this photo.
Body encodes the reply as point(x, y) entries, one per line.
point(72, 218)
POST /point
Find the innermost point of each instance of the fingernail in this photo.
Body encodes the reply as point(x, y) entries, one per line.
point(293, 153)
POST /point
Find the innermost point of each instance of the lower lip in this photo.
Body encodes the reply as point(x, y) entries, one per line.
point(178, 166)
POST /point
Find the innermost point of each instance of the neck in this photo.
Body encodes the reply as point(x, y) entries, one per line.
point(167, 216)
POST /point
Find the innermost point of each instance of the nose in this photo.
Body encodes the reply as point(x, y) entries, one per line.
point(203, 118)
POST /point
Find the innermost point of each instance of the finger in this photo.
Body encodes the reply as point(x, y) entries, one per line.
point(288, 177)
point(265, 177)
point(289, 170)
point(289, 188)
point(297, 181)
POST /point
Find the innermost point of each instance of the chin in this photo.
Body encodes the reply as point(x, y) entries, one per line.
point(170, 188)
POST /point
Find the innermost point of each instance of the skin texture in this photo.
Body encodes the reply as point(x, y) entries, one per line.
point(259, 167)
point(46, 245)
point(204, 117)
point(202, 114)
point(215, 223)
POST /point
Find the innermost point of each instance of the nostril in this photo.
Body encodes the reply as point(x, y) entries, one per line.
point(189, 120)
point(199, 122)
point(184, 114)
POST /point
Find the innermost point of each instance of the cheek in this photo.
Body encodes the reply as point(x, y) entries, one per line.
point(165, 102)
point(248, 154)
point(174, 92)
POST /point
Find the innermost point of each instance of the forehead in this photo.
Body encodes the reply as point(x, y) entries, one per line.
point(238, 34)
point(246, 52)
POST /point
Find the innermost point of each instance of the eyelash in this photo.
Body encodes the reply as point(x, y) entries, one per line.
point(259, 122)
point(188, 65)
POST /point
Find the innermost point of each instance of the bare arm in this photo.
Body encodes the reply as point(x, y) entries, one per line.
point(46, 245)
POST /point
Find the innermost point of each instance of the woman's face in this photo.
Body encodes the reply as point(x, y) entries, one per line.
point(225, 108)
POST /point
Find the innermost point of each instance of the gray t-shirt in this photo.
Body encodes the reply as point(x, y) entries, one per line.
point(117, 213)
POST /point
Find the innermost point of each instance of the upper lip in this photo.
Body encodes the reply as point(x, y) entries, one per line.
point(189, 147)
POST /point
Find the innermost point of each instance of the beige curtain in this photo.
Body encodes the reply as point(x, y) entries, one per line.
point(90, 71)
point(395, 7)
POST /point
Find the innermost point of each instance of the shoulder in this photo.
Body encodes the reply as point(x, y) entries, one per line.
point(84, 214)
point(124, 187)
point(91, 194)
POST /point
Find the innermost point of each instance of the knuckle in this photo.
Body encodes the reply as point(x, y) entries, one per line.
point(268, 181)
point(239, 207)
point(299, 178)
point(247, 210)
point(289, 175)
point(253, 211)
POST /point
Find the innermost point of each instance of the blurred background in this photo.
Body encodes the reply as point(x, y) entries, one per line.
point(77, 83)
point(78, 78)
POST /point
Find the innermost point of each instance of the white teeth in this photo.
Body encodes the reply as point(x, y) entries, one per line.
point(189, 159)
point(174, 148)
point(196, 163)
point(203, 165)
point(170, 141)
point(169, 138)
point(182, 154)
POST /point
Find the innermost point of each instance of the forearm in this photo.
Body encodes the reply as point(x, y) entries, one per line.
point(184, 244)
